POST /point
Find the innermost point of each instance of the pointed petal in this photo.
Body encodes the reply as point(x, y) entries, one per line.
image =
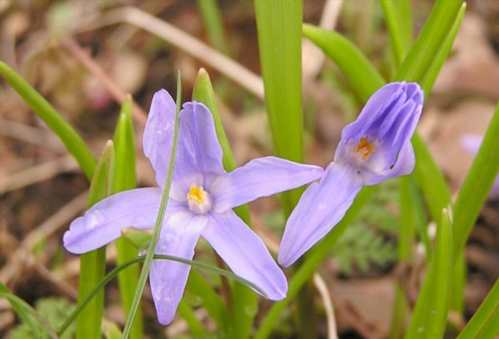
point(320, 208)
point(260, 178)
point(158, 133)
point(168, 278)
point(199, 146)
point(246, 255)
point(103, 223)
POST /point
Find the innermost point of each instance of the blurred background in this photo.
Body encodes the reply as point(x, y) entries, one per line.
point(85, 56)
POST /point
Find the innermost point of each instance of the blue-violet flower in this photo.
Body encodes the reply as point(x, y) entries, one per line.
point(373, 148)
point(200, 204)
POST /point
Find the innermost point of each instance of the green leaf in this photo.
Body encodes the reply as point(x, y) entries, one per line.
point(138, 238)
point(213, 22)
point(310, 265)
point(399, 313)
point(431, 74)
point(361, 74)
point(211, 301)
point(430, 314)
point(484, 324)
point(124, 178)
point(111, 330)
point(477, 184)
point(409, 219)
point(397, 27)
point(430, 178)
point(203, 92)
point(279, 40)
point(111, 275)
point(196, 328)
point(27, 314)
point(55, 311)
point(244, 301)
point(405, 20)
point(93, 264)
point(430, 40)
point(69, 137)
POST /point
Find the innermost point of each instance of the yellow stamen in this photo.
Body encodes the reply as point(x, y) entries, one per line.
point(196, 194)
point(365, 148)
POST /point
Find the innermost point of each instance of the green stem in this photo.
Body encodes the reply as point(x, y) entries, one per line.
point(159, 220)
point(110, 276)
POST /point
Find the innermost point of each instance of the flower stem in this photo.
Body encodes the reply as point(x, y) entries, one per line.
point(159, 220)
point(110, 276)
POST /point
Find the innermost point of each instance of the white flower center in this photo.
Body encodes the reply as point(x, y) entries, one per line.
point(198, 199)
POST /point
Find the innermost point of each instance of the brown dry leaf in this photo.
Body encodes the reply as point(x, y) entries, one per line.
point(365, 304)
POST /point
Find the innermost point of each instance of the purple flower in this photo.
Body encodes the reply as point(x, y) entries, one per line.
point(201, 200)
point(373, 148)
point(472, 142)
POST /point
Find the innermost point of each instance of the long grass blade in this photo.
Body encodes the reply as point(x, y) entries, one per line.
point(310, 265)
point(485, 322)
point(112, 274)
point(430, 314)
point(195, 326)
point(397, 29)
point(430, 40)
point(212, 19)
point(124, 178)
point(279, 34)
point(361, 74)
point(444, 51)
point(93, 264)
point(244, 301)
point(477, 183)
point(210, 300)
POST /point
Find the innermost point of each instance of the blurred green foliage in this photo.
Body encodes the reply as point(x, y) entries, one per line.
point(55, 311)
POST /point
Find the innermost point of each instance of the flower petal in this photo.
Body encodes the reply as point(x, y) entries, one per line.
point(103, 222)
point(168, 278)
point(320, 208)
point(198, 145)
point(373, 143)
point(259, 178)
point(158, 133)
point(404, 165)
point(246, 255)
